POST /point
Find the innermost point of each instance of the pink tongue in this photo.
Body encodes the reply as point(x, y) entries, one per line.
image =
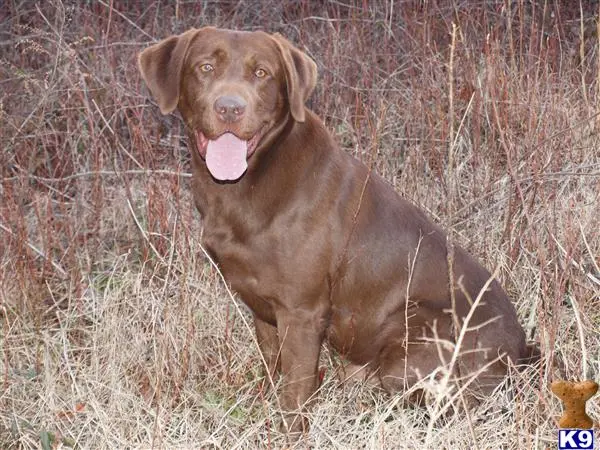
point(226, 157)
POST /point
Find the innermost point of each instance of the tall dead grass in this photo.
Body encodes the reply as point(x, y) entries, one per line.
point(115, 330)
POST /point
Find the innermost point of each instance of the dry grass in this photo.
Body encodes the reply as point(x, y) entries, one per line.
point(116, 332)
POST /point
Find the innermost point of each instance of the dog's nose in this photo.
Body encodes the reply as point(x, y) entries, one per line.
point(230, 108)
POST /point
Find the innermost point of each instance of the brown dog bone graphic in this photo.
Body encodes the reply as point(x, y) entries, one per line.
point(574, 396)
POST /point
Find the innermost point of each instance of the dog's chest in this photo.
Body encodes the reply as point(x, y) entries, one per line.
point(244, 260)
point(274, 264)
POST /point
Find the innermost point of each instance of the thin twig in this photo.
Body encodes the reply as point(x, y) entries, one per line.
point(587, 247)
point(574, 263)
point(92, 173)
point(144, 235)
point(127, 19)
point(39, 252)
point(584, 353)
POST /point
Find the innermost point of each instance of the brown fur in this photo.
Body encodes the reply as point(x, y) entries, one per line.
point(316, 245)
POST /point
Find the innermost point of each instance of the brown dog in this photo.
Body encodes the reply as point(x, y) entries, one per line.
point(315, 244)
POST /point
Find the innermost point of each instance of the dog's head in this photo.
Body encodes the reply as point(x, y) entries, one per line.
point(231, 87)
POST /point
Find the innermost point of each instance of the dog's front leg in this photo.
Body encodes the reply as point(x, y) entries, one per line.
point(268, 342)
point(301, 333)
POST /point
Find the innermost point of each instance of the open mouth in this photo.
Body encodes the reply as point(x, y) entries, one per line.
point(227, 155)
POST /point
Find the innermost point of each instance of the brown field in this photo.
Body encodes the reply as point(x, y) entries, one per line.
point(117, 332)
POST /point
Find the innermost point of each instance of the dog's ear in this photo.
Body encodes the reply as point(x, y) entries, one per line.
point(161, 66)
point(300, 75)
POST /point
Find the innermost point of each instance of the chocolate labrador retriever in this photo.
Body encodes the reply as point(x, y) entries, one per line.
point(316, 245)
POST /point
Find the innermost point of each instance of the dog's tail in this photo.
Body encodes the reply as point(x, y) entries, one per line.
point(531, 356)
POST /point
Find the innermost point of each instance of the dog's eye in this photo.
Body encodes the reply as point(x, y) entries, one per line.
point(260, 73)
point(206, 68)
